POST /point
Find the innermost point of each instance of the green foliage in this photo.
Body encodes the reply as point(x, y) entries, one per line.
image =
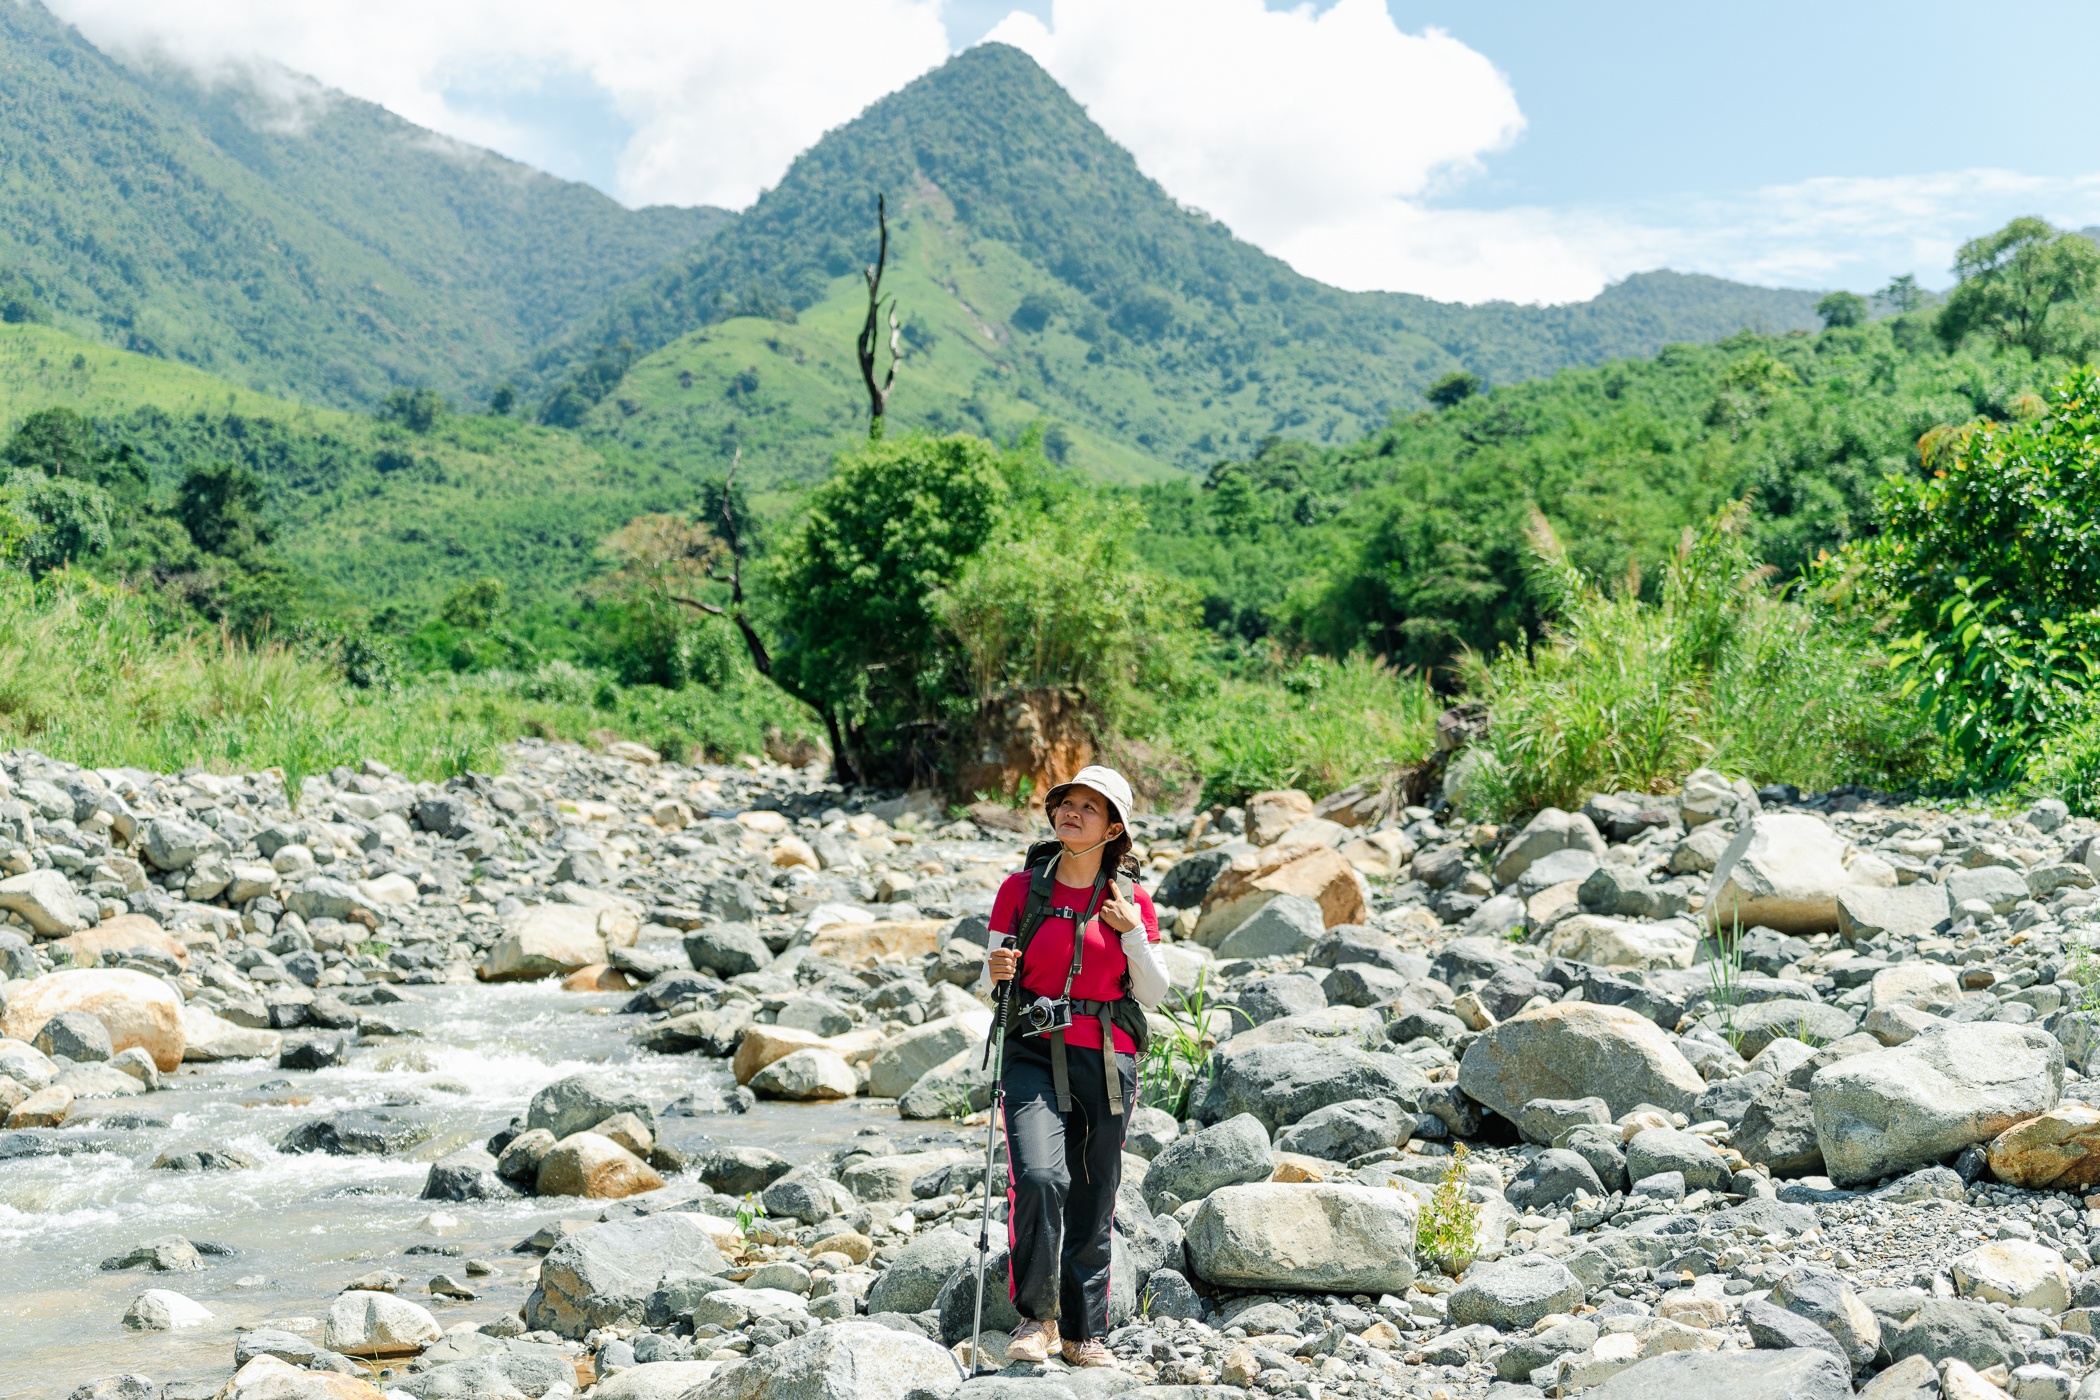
point(1315, 724)
point(1724, 977)
point(856, 582)
point(1990, 570)
point(1840, 309)
point(1454, 388)
point(1179, 1061)
point(1447, 1231)
point(60, 520)
point(417, 410)
point(1624, 693)
point(474, 606)
point(2027, 285)
point(222, 506)
point(1058, 599)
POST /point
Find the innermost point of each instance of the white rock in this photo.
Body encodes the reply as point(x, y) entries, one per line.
point(1783, 871)
point(1592, 938)
point(389, 891)
point(209, 1037)
point(164, 1310)
point(2018, 1273)
point(378, 1324)
point(46, 899)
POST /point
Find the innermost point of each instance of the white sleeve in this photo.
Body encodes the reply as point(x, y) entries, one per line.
point(1148, 970)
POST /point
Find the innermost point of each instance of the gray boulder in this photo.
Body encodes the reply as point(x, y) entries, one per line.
point(1553, 1176)
point(466, 1175)
point(1729, 1099)
point(739, 1171)
point(1513, 1294)
point(1280, 1084)
point(1995, 885)
point(727, 950)
point(1292, 994)
point(912, 1282)
point(1526, 1354)
point(1907, 911)
point(175, 843)
point(1550, 831)
point(1602, 1148)
point(603, 1276)
point(1803, 1373)
point(1886, 1111)
point(805, 1196)
point(958, 1297)
point(1364, 984)
point(1322, 1238)
point(845, 1361)
point(1943, 1327)
point(492, 1377)
point(1656, 1150)
point(1824, 1298)
point(75, 1035)
point(1342, 1131)
point(1773, 1328)
point(1543, 1120)
point(583, 1101)
point(1556, 868)
point(1225, 1154)
point(1778, 1130)
point(1150, 1130)
point(1574, 1050)
point(1187, 880)
point(1284, 927)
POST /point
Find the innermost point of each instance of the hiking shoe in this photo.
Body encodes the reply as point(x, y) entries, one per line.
point(1033, 1342)
point(1087, 1353)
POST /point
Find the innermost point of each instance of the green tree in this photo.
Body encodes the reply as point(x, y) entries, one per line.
point(1455, 388)
point(417, 410)
point(1990, 568)
point(474, 606)
point(897, 521)
point(223, 508)
point(1902, 295)
point(56, 442)
point(2027, 285)
point(64, 521)
point(503, 399)
point(1842, 309)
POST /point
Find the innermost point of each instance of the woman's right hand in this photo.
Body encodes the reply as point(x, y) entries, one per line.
point(1002, 961)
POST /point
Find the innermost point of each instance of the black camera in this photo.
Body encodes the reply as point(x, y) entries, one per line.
point(1045, 1015)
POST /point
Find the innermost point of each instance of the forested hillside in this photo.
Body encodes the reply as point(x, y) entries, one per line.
point(303, 243)
point(1048, 278)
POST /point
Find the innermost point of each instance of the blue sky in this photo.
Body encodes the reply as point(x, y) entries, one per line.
point(1529, 151)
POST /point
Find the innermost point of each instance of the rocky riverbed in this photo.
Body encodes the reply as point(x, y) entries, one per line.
point(624, 1078)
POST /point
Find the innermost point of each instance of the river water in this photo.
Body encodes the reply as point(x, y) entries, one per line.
point(301, 1226)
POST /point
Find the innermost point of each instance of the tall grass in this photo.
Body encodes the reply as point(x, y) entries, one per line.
point(1321, 727)
point(87, 673)
point(1721, 669)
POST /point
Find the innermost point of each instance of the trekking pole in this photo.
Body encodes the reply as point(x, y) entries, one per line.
point(996, 1052)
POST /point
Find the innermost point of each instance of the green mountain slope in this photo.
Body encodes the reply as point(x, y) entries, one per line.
point(383, 514)
point(316, 246)
point(1087, 295)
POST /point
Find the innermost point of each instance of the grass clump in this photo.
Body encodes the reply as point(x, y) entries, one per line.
point(1318, 725)
point(89, 673)
point(1720, 669)
point(1447, 1233)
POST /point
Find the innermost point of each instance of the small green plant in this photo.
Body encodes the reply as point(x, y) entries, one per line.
point(1177, 1061)
point(1145, 1304)
point(2085, 972)
point(1724, 975)
point(748, 1214)
point(955, 1102)
point(1447, 1233)
point(375, 948)
point(1806, 1036)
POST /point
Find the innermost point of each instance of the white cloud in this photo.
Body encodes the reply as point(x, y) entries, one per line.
point(1286, 124)
point(719, 95)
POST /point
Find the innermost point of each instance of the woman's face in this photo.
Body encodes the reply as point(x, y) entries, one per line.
point(1082, 819)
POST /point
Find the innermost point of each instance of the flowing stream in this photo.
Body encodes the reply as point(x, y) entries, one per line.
point(299, 1227)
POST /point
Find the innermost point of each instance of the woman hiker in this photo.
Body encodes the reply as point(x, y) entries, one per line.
point(1076, 1029)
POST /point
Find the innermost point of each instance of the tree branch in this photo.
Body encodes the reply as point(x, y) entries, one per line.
point(866, 347)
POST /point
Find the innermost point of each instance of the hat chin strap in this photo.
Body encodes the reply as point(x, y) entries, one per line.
point(1089, 850)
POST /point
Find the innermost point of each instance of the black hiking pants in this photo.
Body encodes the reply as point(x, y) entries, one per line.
point(1063, 1170)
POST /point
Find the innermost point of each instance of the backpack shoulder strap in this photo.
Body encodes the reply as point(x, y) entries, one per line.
point(1042, 889)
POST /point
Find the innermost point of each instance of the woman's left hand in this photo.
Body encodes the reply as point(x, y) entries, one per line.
point(1119, 913)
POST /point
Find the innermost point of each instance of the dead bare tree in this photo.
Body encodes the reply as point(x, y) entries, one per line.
point(843, 768)
point(871, 330)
